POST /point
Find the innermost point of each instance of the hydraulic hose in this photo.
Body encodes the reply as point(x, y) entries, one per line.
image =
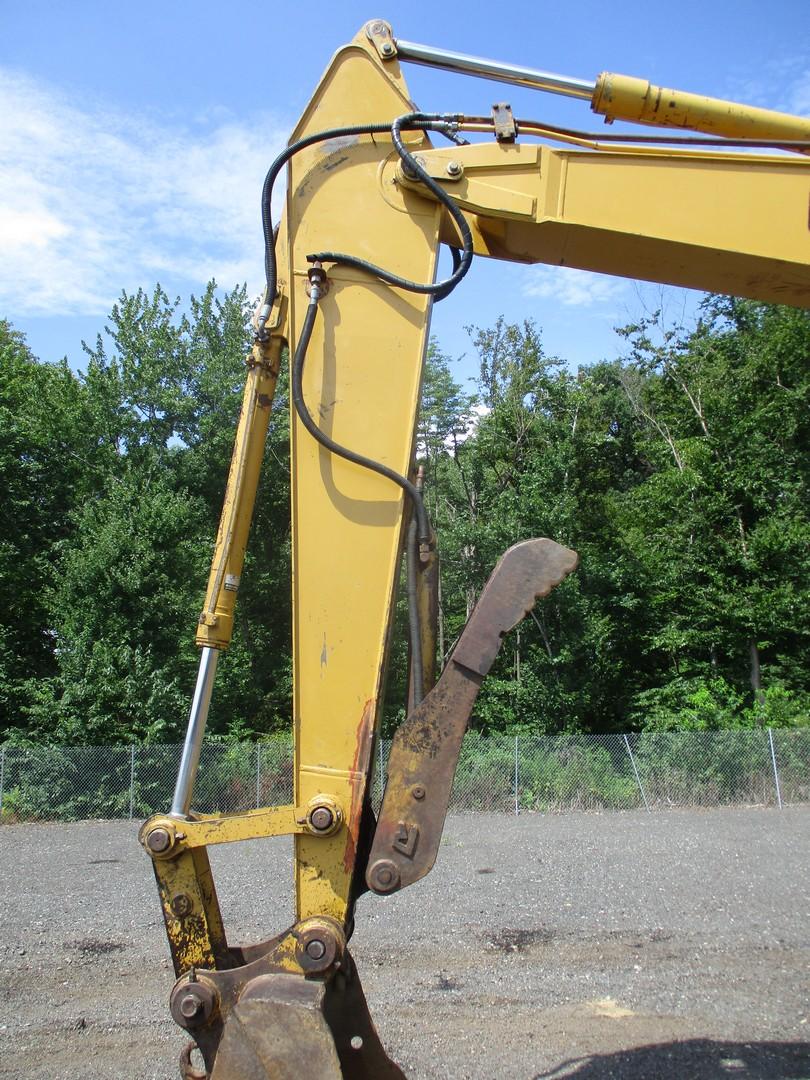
point(419, 526)
point(440, 289)
point(297, 394)
point(444, 124)
point(419, 532)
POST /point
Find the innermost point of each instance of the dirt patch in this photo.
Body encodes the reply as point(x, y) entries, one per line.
point(92, 947)
point(509, 940)
point(624, 946)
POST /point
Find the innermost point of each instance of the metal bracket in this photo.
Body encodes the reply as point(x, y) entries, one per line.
point(505, 127)
point(381, 36)
point(165, 837)
point(267, 1021)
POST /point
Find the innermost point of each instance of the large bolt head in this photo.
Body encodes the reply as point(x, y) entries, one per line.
point(190, 1005)
point(158, 840)
point(194, 1003)
point(322, 818)
point(319, 946)
point(182, 905)
point(316, 949)
point(383, 876)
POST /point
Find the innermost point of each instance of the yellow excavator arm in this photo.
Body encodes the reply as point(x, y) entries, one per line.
point(351, 281)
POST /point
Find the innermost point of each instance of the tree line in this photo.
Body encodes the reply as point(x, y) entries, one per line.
point(679, 473)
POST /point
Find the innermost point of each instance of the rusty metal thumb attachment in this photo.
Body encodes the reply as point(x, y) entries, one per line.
point(426, 747)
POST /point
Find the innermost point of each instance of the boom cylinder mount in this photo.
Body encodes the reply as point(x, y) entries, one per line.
point(616, 97)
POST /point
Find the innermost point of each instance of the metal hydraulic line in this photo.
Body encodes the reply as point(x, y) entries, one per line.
point(496, 70)
point(614, 96)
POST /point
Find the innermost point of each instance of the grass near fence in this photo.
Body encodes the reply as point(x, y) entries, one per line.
point(504, 773)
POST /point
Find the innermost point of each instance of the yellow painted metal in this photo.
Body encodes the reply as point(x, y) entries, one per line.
point(729, 223)
point(725, 222)
point(216, 621)
point(361, 382)
point(624, 97)
point(191, 911)
point(228, 828)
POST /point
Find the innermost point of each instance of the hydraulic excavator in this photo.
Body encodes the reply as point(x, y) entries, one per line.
point(350, 282)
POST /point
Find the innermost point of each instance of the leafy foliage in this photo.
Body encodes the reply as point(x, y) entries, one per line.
point(679, 474)
point(121, 472)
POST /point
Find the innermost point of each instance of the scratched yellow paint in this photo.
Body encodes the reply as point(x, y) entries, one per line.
point(361, 383)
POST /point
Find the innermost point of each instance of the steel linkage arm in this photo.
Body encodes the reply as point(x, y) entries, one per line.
point(244, 1005)
point(723, 222)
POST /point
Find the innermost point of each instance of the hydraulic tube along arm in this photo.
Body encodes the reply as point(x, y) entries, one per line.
point(716, 220)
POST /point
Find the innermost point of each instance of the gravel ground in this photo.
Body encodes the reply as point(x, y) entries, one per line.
point(673, 945)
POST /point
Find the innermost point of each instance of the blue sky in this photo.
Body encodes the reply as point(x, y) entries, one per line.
point(134, 139)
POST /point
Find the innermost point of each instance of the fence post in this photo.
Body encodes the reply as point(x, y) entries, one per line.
point(775, 770)
point(258, 774)
point(517, 778)
point(2, 774)
point(132, 782)
point(635, 770)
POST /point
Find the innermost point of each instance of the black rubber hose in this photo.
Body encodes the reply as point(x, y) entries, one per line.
point(297, 393)
point(419, 521)
point(440, 289)
point(443, 124)
point(270, 269)
point(455, 255)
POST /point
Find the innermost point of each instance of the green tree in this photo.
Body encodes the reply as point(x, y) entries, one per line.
point(47, 460)
point(545, 452)
point(720, 525)
point(161, 396)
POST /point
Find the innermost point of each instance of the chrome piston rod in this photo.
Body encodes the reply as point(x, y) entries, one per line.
point(198, 716)
point(493, 69)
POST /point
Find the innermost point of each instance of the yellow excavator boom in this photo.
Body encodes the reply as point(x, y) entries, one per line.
point(351, 284)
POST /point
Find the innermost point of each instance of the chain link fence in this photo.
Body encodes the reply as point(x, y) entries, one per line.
point(501, 773)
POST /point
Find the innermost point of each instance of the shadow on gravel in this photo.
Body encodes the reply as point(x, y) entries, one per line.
point(692, 1059)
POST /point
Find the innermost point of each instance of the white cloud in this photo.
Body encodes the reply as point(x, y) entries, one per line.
point(781, 83)
point(573, 288)
point(94, 200)
point(477, 414)
point(799, 95)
